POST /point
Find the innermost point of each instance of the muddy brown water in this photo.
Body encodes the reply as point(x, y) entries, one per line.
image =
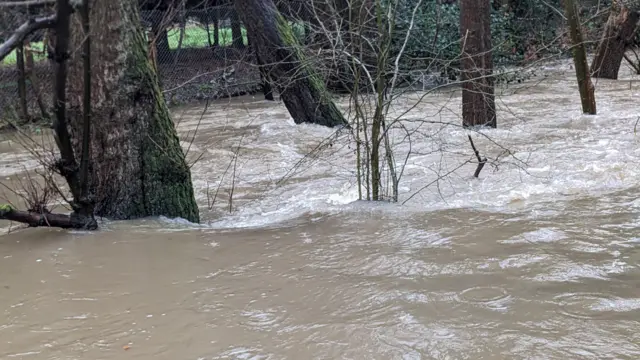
point(536, 260)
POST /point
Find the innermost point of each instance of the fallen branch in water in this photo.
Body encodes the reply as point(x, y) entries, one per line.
point(481, 160)
point(37, 219)
point(23, 31)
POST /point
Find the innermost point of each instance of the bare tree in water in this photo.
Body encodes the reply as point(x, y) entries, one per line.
point(119, 150)
point(587, 90)
point(362, 48)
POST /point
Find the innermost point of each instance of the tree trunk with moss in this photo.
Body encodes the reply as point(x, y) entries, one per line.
point(137, 167)
point(618, 33)
point(301, 88)
point(587, 91)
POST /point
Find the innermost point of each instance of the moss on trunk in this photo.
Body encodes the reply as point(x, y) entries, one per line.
point(302, 90)
point(137, 166)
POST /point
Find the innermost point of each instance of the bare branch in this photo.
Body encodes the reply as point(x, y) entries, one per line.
point(481, 160)
point(23, 31)
point(25, 3)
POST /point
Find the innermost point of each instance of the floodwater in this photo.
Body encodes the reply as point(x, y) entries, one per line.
point(536, 259)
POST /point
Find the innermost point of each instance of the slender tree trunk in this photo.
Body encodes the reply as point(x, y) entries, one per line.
point(301, 88)
point(22, 83)
point(587, 91)
point(216, 29)
point(161, 39)
point(137, 167)
point(236, 29)
point(617, 36)
point(478, 102)
point(183, 25)
point(207, 24)
point(30, 67)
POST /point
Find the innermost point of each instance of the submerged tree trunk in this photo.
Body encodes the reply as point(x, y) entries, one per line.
point(478, 102)
point(587, 91)
point(264, 74)
point(618, 33)
point(136, 165)
point(301, 88)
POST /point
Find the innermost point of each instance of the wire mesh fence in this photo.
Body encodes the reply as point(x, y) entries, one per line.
point(198, 54)
point(201, 54)
point(25, 81)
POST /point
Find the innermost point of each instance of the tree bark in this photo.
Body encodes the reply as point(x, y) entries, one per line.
point(301, 88)
point(208, 28)
point(478, 102)
point(136, 167)
point(587, 91)
point(618, 33)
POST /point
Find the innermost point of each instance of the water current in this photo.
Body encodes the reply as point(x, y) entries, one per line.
point(536, 259)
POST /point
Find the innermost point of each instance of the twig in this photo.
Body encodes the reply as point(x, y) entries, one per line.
point(481, 160)
point(23, 31)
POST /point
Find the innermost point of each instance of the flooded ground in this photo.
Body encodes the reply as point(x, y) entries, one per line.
point(537, 259)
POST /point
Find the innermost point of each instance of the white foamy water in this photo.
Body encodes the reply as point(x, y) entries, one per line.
point(544, 150)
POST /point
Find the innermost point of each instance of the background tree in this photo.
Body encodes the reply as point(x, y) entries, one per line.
point(236, 30)
point(478, 102)
point(617, 36)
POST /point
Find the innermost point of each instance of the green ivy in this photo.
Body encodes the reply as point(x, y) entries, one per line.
point(531, 24)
